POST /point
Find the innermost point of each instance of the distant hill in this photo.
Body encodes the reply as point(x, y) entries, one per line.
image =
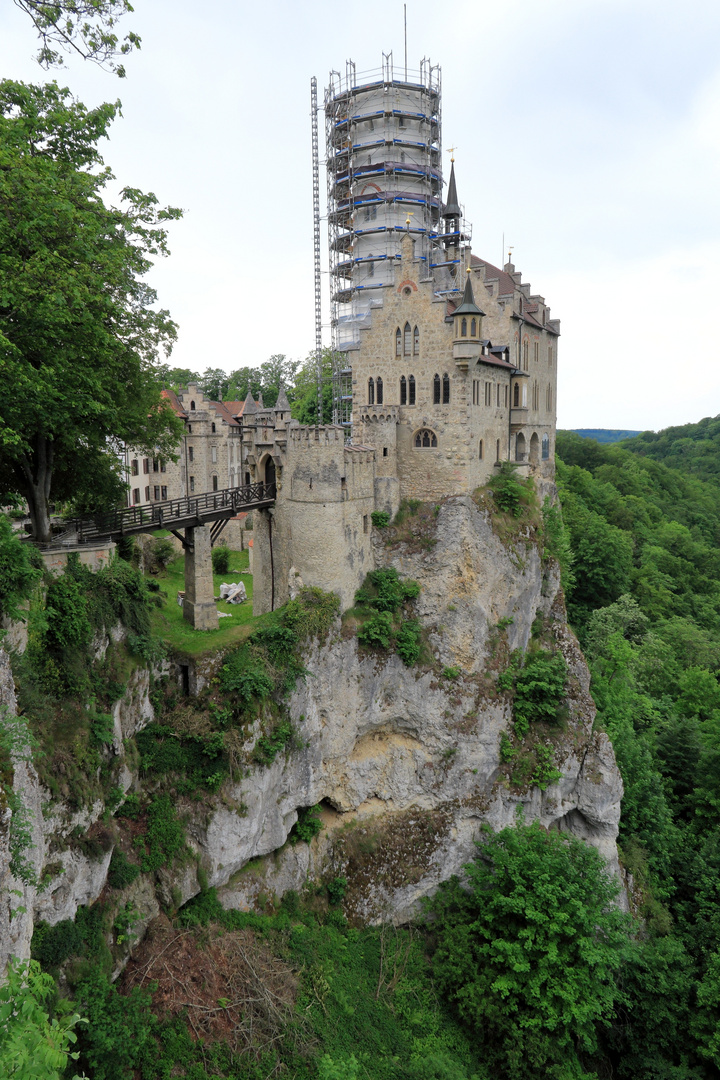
point(604, 435)
point(691, 448)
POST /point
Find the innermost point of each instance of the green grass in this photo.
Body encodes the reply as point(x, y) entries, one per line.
point(168, 622)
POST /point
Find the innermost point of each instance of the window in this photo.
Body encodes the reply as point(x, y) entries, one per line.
point(163, 467)
point(473, 328)
point(213, 454)
point(545, 447)
point(192, 483)
point(520, 304)
point(497, 449)
point(403, 390)
point(192, 406)
point(134, 468)
point(147, 494)
point(371, 391)
point(425, 439)
point(407, 345)
point(506, 396)
point(463, 328)
point(163, 495)
point(189, 429)
point(525, 350)
point(215, 484)
point(550, 355)
point(212, 428)
point(398, 342)
point(379, 387)
point(446, 389)
point(549, 399)
point(411, 390)
point(247, 478)
point(157, 492)
point(136, 495)
point(536, 351)
point(191, 454)
point(436, 390)
point(498, 395)
point(480, 450)
point(474, 392)
point(516, 395)
point(384, 451)
point(535, 395)
point(416, 342)
point(365, 523)
point(155, 464)
point(488, 393)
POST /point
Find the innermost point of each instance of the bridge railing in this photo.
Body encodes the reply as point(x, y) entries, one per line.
point(172, 512)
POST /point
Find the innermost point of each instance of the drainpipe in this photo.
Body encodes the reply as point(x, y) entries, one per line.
point(272, 563)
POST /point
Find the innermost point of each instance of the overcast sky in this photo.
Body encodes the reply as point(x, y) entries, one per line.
point(588, 133)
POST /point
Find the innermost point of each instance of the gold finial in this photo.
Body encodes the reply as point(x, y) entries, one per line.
point(451, 151)
point(468, 270)
point(510, 251)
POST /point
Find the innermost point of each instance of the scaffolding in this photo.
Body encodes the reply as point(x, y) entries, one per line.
point(384, 181)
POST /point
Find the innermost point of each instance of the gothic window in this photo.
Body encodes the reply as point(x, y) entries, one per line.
point(498, 395)
point(480, 450)
point(416, 342)
point(191, 453)
point(463, 328)
point(545, 447)
point(446, 389)
point(407, 343)
point(411, 390)
point(192, 406)
point(537, 351)
point(550, 355)
point(403, 390)
point(212, 428)
point(497, 449)
point(473, 328)
point(425, 439)
point(520, 305)
point(379, 386)
point(436, 390)
point(488, 393)
point(535, 395)
point(525, 350)
point(398, 342)
point(215, 483)
point(549, 399)
point(506, 396)
point(516, 395)
point(371, 392)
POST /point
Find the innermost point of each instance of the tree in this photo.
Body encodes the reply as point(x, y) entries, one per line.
point(32, 1046)
point(84, 27)
point(17, 573)
point(529, 948)
point(305, 400)
point(79, 333)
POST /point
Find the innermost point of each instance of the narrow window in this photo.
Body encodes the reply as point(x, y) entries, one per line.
point(488, 393)
point(407, 345)
point(537, 351)
point(157, 492)
point(416, 342)
point(379, 386)
point(213, 452)
point(163, 492)
point(163, 467)
point(155, 464)
point(550, 355)
point(191, 454)
point(384, 451)
point(215, 486)
point(463, 328)
point(411, 390)
point(134, 467)
point(192, 483)
point(398, 342)
point(371, 269)
point(498, 395)
point(480, 450)
point(247, 479)
point(189, 430)
point(516, 395)
point(371, 392)
point(147, 494)
point(526, 345)
point(545, 447)
point(506, 395)
point(497, 449)
point(446, 389)
point(212, 428)
point(403, 390)
point(365, 523)
point(436, 390)
point(136, 495)
point(473, 328)
point(192, 406)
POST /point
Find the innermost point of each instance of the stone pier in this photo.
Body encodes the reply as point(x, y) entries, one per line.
point(199, 606)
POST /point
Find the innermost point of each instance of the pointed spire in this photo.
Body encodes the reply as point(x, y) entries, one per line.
point(260, 403)
point(282, 404)
point(249, 405)
point(468, 306)
point(452, 206)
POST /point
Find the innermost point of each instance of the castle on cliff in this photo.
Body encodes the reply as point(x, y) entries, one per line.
point(449, 363)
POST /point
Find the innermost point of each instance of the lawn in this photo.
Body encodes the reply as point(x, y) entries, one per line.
point(168, 622)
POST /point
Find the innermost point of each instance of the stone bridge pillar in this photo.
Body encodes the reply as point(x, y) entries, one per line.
point(199, 606)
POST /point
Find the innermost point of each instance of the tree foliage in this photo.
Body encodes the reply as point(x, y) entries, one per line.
point(79, 330)
point(85, 28)
point(33, 1046)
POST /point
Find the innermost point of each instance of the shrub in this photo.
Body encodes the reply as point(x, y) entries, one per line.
point(163, 552)
point(66, 613)
point(336, 889)
point(17, 572)
point(269, 746)
point(384, 591)
point(131, 807)
point(121, 872)
point(509, 493)
point(307, 826)
point(451, 673)
point(407, 643)
point(539, 687)
point(380, 519)
point(221, 559)
point(31, 1044)
point(377, 631)
point(164, 839)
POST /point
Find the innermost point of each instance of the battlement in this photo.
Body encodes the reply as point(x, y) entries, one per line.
point(308, 435)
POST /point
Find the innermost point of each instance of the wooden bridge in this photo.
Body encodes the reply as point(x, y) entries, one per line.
point(201, 517)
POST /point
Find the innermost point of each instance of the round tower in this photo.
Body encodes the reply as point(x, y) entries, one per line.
point(384, 174)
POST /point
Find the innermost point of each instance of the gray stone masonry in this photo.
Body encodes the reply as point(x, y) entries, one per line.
point(199, 606)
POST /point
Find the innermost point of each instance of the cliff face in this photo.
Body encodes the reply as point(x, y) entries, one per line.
point(405, 762)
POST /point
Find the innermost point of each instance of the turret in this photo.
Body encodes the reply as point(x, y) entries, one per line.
point(468, 317)
point(452, 214)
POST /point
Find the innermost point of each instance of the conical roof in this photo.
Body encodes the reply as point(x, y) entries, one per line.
point(282, 404)
point(468, 306)
point(452, 206)
point(249, 405)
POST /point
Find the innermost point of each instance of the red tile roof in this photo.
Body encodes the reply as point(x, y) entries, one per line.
point(226, 414)
point(175, 405)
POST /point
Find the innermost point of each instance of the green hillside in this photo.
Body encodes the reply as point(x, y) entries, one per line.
point(603, 435)
point(691, 448)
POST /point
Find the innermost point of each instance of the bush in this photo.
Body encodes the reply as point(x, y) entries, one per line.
point(18, 574)
point(269, 746)
point(377, 631)
point(307, 826)
point(31, 1044)
point(509, 493)
point(121, 872)
point(164, 839)
point(380, 519)
point(539, 687)
point(221, 559)
point(161, 552)
point(407, 643)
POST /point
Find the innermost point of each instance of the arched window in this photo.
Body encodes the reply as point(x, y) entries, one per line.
point(416, 342)
point(379, 386)
point(192, 406)
point(411, 390)
point(516, 395)
point(526, 347)
point(436, 390)
point(425, 439)
point(519, 446)
point(545, 447)
point(212, 428)
point(398, 342)
point(480, 450)
point(371, 392)
point(403, 390)
point(473, 328)
point(408, 340)
point(463, 328)
point(446, 389)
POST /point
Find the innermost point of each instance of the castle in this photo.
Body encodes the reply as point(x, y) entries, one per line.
point(450, 363)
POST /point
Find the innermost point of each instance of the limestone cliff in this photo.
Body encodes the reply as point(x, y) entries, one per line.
point(404, 761)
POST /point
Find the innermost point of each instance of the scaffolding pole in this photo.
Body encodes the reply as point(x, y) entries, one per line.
point(316, 244)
